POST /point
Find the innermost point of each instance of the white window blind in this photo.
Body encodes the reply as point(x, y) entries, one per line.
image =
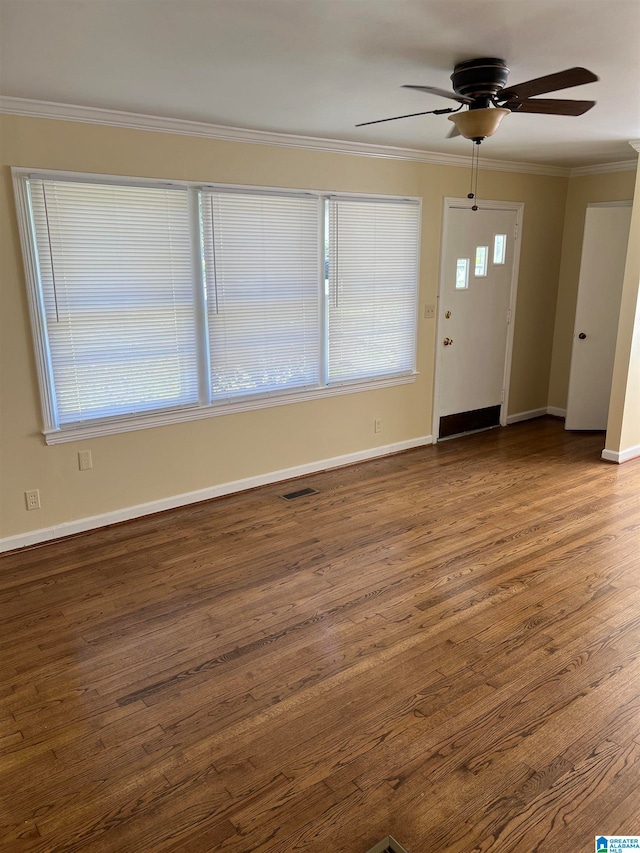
point(159, 303)
point(262, 270)
point(116, 280)
point(373, 268)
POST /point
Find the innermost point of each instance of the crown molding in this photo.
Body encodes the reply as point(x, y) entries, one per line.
point(603, 168)
point(139, 121)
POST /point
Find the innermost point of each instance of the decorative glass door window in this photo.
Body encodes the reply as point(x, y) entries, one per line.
point(482, 253)
point(499, 248)
point(462, 274)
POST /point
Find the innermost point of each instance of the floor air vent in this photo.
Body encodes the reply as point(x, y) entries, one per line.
point(301, 493)
point(387, 845)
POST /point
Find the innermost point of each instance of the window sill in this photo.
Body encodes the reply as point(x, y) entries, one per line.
point(96, 429)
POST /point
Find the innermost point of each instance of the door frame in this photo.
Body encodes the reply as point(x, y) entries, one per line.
point(450, 203)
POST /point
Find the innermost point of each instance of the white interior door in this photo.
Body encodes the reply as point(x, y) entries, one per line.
point(604, 251)
point(477, 286)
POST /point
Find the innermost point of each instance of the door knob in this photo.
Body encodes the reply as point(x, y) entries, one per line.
point(582, 336)
point(447, 342)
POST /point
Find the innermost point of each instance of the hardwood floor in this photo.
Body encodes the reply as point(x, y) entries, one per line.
point(443, 646)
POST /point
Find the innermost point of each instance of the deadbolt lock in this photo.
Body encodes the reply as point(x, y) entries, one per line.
point(447, 342)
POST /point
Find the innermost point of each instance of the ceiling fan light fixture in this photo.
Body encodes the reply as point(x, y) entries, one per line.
point(478, 124)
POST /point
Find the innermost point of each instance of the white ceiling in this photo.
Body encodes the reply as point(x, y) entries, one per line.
point(317, 67)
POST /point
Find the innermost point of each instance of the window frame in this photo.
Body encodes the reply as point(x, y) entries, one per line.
point(205, 408)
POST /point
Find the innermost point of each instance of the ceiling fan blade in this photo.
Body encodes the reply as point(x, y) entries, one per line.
point(394, 118)
point(550, 106)
point(453, 132)
point(549, 83)
point(433, 90)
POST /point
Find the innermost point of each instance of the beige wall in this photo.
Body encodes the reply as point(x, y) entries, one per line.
point(153, 464)
point(623, 428)
point(584, 190)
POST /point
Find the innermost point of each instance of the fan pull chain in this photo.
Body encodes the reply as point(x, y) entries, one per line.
point(475, 161)
point(475, 191)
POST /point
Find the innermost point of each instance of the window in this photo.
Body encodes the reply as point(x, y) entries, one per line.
point(117, 296)
point(499, 248)
point(261, 271)
point(157, 303)
point(462, 274)
point(482, 253)
point(372, 292)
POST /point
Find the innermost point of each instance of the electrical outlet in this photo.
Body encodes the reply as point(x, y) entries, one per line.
point(85, 461)
point(377, 425)
point(32, 497)
point(429, 311)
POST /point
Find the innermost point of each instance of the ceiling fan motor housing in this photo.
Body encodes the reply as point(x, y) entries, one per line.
point(480, 79)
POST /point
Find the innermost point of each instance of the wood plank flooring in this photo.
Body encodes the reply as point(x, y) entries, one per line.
point(442, 646)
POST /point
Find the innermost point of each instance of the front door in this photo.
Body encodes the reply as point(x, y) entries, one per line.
point(477, 292)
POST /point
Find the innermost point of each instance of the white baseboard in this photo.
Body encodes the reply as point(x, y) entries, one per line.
point(556, 412)
point(621, 456)
point(526, 416)
point(81, 525)
point(536, 413)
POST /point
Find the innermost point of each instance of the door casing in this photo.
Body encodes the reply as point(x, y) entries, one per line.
point(448, 204)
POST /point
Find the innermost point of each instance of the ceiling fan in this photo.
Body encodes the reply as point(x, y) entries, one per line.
point(479, 84)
